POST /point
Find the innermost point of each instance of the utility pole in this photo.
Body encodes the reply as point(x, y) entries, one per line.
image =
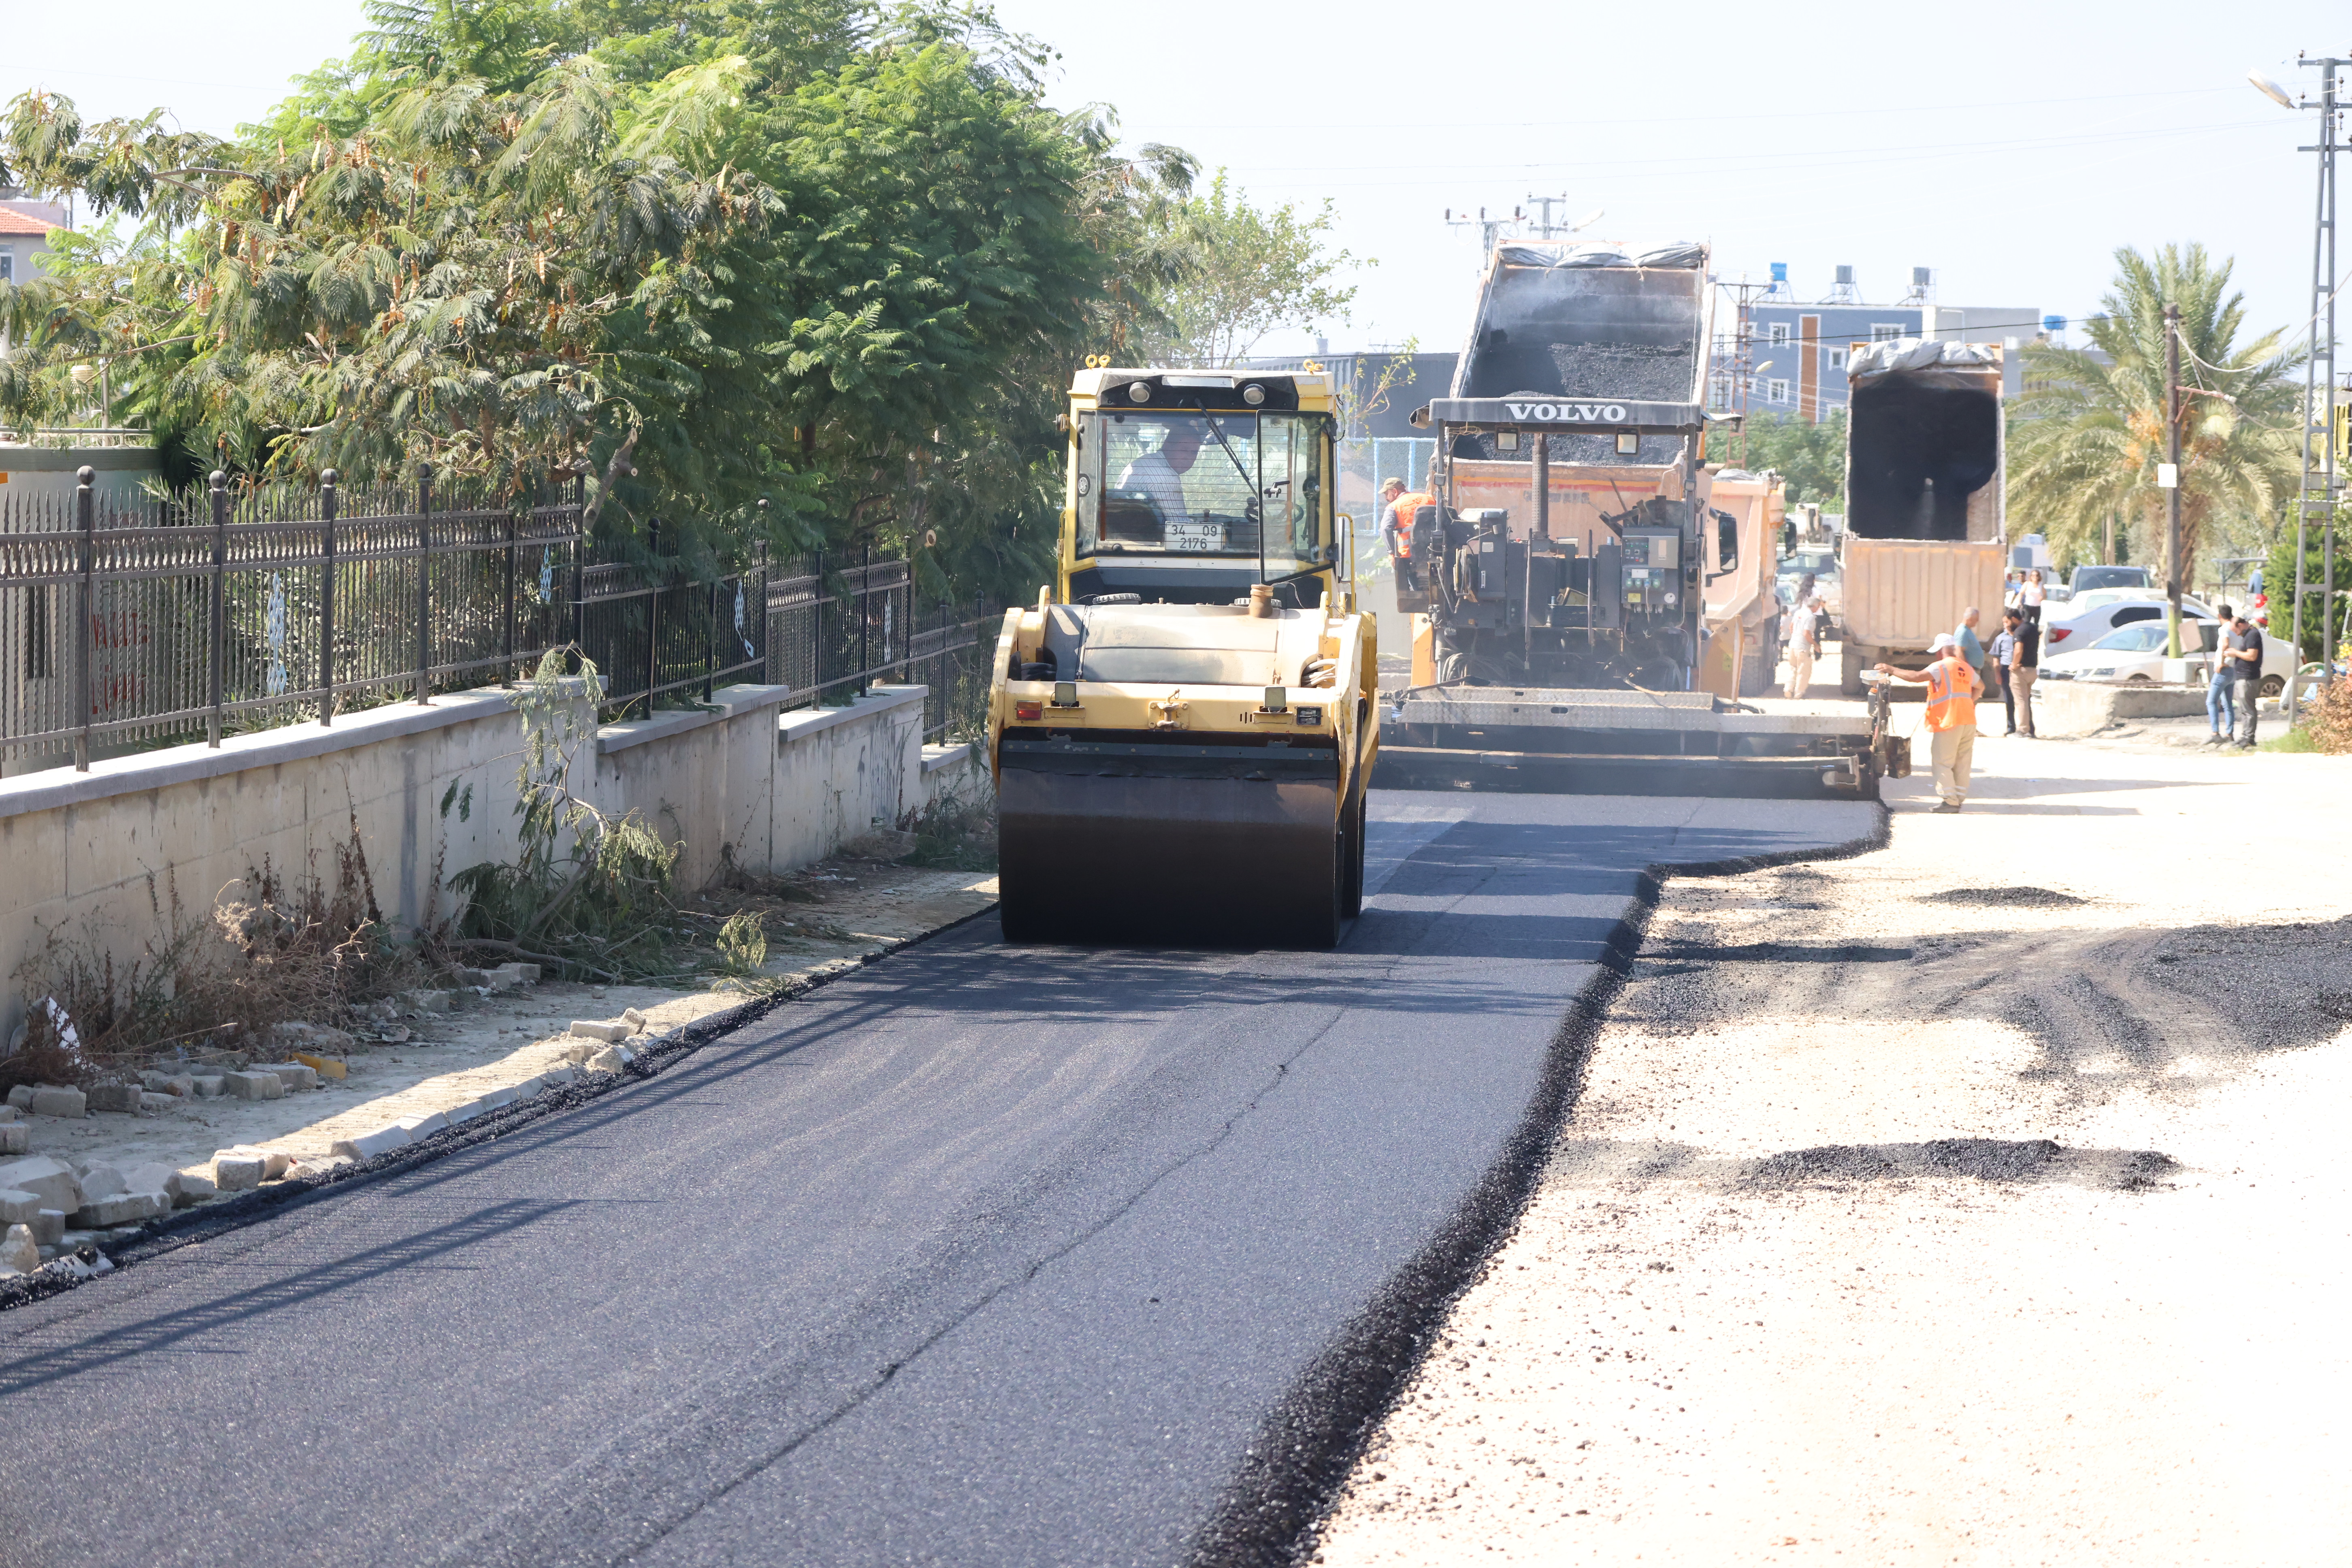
point(2318, 383)
point(1544, 225)
point(1492, 226)
point(2172, 491)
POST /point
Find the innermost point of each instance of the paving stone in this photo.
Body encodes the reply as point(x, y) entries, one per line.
point(123, 1208)
point(367, 1146)
point(49, 1226)
point(234, 1173)
point(148, 1176)
point(590, 1029)
point(9, 1113)
point(254, 1085)
point(294, 1074)
point(420, 1127)
point(70, 1103)
point(53, 1180)
point(19, 1250)
point(100, 1179)
point(156, 1104)
point(118, 1097)
point(208, 1085)
point(18, 1207)
point(612, 1058)
point(184, 1087)
point(634, 1019)
point(21, 1097)
point(16, 1138)
point(189, 1188)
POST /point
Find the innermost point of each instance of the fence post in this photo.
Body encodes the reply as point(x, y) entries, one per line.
point(506, 637)
point(216, 681)
point(579, 552)
point(653, 616)
point(817, 627)
point(85, 610)
point(328, 497)
point(711, 638)
point(424, 582)
point(865, 610)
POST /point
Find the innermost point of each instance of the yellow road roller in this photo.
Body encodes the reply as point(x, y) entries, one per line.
point(1182, 726)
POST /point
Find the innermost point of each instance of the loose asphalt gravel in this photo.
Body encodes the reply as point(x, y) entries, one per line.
point(1977, 1200)
point(982, 1255)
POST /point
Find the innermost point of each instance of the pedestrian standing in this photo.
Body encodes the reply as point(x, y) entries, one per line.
point(2024, 667)
point(2030, 597)
point(1953, 687)
point(1965, 634)
point(2220, 692)
point(1804, 647)
point(1998, 658)
point(2244, 649)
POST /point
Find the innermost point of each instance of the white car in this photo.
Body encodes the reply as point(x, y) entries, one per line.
point(2092, 614)
point(2136, 653)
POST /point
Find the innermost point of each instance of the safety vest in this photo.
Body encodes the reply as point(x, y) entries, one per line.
point(1950, 703)
point(1401, 511)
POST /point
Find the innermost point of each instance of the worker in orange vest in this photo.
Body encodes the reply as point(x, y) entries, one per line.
point(1953, 688)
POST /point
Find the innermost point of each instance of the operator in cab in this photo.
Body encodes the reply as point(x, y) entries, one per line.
point(1160, 474)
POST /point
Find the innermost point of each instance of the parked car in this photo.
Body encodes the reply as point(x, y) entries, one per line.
point(2093, 615)
point(2134, 652)
point(2085, 578)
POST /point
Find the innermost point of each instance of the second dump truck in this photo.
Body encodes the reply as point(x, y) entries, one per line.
point(1926, 531)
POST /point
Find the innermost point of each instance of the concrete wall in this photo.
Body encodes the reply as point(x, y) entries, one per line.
point(773, 791)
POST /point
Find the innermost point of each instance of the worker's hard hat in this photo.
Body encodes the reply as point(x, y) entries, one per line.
point(1943, 640)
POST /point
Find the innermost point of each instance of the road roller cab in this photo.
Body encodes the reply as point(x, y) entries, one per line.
point(1181, 728)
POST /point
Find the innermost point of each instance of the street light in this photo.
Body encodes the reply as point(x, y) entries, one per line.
point(2269, 88)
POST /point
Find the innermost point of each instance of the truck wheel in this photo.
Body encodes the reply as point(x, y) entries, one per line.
point(1851, 662)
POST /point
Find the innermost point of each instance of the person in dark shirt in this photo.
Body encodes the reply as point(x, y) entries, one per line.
point(2244, 650)
point(2024, 665)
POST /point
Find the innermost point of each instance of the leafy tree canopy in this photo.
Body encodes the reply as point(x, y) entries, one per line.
point(1240, 272)
point(2086, 437)
point(1809, 458)
point(831, 253)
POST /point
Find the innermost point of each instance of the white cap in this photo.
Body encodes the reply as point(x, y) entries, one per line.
point(1943, 640)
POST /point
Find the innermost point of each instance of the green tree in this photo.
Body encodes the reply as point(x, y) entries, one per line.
point(835, 255)
point(2278, 584)
point(1809, 458)
point(1244, 272)
point(2086, 437)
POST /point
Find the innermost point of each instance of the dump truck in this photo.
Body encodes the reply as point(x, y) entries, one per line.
point(1740, 615)
point(1559, 582)
point(1925, 527)
point(1181, 728)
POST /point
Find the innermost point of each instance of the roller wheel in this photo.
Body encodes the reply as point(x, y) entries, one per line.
point(1319, 926)
point(1352, 860)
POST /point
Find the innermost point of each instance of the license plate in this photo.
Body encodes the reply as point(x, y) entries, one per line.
point(1184, 534)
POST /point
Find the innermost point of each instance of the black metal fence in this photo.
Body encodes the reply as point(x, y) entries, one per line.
point(837, 626)
point(132, 620)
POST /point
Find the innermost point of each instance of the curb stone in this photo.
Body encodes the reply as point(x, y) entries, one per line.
point(654, 1055)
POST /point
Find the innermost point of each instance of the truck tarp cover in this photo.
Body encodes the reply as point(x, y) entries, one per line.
point(1589, 320)
point(1923, 434)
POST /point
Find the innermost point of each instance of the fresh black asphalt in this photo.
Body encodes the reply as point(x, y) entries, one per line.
point(984, 1255)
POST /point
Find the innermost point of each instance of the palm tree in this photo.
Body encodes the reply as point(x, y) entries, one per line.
point(2088, 433)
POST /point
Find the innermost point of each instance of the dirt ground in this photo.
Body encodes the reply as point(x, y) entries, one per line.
point(1979, 1201)
point(828, 916)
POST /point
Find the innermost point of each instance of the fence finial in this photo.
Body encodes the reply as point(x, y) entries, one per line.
point(86, 475)
point(220, 481)
point(327, 475)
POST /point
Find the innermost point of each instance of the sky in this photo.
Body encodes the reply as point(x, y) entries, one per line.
point(2012, 147)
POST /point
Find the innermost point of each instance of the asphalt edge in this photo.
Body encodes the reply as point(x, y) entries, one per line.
point(188, 1227)
point(1290, 1477)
